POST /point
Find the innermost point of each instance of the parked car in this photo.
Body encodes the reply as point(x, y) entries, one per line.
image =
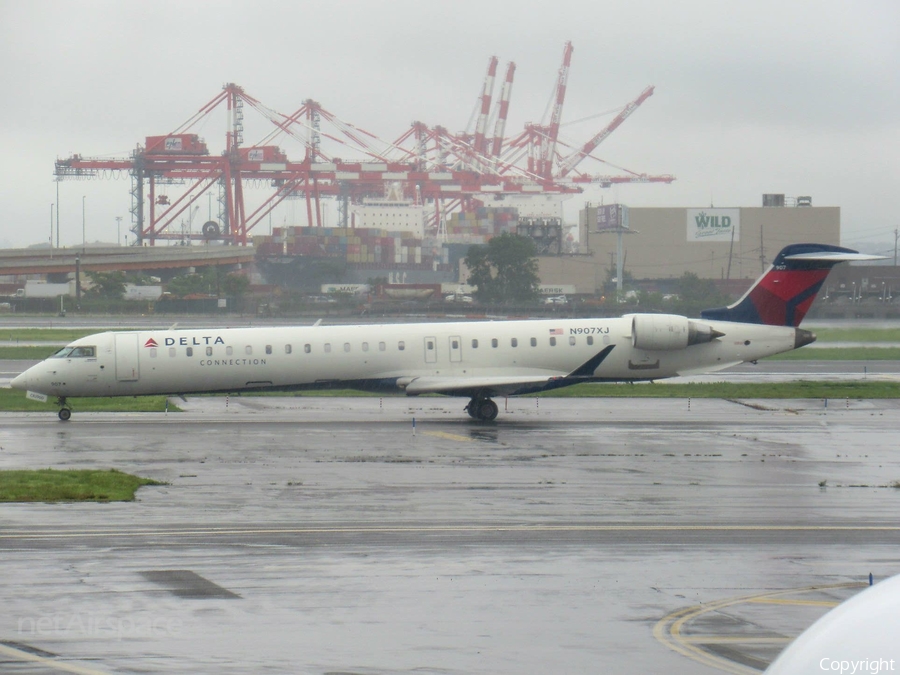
point(556, 300)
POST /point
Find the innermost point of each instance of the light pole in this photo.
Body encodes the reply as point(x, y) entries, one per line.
point(57, 212)
point(51, 230)
point(118, 230)
point(83, 230)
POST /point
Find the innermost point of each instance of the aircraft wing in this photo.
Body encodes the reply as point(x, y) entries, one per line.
point(503, 385)
point(493, 385)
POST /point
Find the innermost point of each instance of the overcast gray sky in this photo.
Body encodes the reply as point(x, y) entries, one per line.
point(797, 96)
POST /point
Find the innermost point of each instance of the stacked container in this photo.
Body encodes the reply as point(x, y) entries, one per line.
point(479, 226)
point(362, 247)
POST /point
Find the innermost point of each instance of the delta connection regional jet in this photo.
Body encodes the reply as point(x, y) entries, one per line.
point(477, 360)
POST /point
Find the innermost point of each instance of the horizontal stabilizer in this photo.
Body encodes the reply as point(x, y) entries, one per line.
point(836, 256)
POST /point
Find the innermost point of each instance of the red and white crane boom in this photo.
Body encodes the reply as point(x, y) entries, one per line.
point(575, 158)
point(487, 92)
point(503, 110)
point(548, 144)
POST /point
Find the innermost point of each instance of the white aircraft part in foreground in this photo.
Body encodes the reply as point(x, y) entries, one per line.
point(478, 360)
point(858, 637)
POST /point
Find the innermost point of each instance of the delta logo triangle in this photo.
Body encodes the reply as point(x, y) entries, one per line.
point(151, 343)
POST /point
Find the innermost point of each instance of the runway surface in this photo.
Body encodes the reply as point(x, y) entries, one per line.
point(335, 536)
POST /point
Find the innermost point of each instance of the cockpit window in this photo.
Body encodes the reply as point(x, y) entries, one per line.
point(79, 352)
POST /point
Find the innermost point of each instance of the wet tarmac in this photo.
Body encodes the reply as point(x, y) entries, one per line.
point(334, 536)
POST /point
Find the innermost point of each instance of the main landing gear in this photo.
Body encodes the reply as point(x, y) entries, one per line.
point(482, 409)
point(65, 412)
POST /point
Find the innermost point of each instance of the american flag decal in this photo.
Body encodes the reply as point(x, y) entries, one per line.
point(151, 343)
point(556, 331)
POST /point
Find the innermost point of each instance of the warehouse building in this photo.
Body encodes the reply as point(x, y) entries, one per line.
point(733, 244)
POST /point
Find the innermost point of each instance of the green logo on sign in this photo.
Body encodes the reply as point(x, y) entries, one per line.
point(705, 222)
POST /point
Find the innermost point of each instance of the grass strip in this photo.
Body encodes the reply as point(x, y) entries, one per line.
point(30, 353)
point(49, 334)
point(857, 334)
point(861, 389)
point(52, 485)
point(12, 400)
point(729, 390)
point(839, 354)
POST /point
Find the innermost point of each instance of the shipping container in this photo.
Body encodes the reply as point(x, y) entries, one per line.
point(176, 144)
point(265, 153)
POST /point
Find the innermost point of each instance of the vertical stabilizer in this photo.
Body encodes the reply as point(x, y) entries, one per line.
point(783, 295)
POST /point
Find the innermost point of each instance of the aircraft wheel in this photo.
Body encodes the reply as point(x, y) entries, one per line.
point(64, 414)
point(487, 410)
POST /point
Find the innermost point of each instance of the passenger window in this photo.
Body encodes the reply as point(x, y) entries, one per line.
point(248, 350)
point(534, 342)
point(189, 351)
point(268, 349)
point(365, 346)
point(552, 341)
point(287, 349)
point(229, 351)
point(307, 348)
point(171, 351)
point(382, 346)
point(514, 342)
point(346, 346)
point(327, 347)
point(429, 345)
point(209, 351)
point(456, 344)
point(572, 340)
point(474, 344)
point(401, 345)
point(494, 343)
point(590, 339)
point(153, 352)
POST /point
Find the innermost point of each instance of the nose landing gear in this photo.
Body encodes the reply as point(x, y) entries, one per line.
point(65, 412)
point(482, 409)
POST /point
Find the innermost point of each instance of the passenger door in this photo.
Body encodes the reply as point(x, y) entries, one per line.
point(430, 350)
point(127, 361)
point(455, 349)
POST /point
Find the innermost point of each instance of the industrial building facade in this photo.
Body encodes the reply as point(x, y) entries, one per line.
point(664, 243)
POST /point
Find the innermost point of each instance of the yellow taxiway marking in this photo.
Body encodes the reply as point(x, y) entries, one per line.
point(668, 629)
point(52, 664)
point(788, 601)
point(734, 639)
point(451, 437)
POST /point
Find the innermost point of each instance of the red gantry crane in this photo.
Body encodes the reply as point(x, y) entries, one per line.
point(433, 166)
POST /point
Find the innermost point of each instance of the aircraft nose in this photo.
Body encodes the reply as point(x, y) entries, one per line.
point(20, 381)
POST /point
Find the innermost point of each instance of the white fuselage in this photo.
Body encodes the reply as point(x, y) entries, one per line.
point(383, 356)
